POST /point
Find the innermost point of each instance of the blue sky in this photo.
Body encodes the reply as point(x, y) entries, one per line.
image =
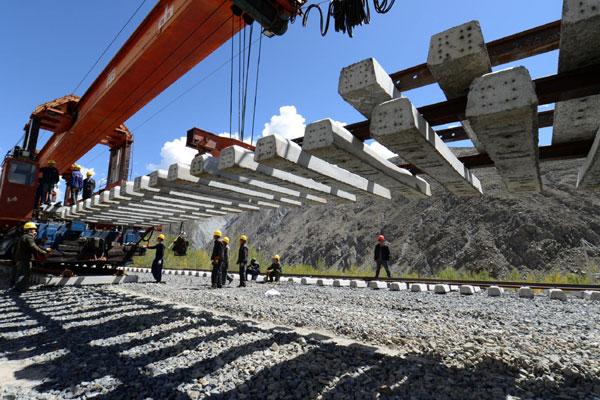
point(49, 46)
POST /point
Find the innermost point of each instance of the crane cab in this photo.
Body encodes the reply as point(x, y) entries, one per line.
point(18, 183)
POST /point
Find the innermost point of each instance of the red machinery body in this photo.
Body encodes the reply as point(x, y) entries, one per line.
point(18, 183)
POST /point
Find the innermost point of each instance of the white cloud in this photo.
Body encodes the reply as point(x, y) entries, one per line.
point(288, 123)
point(236, 136)
point(381, 150)
point(173, 152)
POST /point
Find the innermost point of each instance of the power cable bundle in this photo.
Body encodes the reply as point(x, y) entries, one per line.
point(347, 14)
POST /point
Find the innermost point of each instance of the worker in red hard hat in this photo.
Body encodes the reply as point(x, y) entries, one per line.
point(382, 256)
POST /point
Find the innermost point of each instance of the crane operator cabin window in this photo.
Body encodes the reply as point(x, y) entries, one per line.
point(22, 173)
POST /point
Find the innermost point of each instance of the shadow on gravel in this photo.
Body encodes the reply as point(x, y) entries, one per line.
point(65, 356)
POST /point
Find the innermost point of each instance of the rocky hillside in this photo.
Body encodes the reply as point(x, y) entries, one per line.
point(494, 232)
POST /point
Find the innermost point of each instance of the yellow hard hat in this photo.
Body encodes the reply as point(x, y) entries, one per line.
point(161, 236)
point(51, 162)
point(243, 237)
point(276, 256)
point(217, 233)
point(226, 239)
point(29, 225)
point(89, 173)
point(76, 167)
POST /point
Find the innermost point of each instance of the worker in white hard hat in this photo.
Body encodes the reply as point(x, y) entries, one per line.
point(157, 263)
point(225, 265)
point(25, 249)
point(242, 260)
point(216, 259)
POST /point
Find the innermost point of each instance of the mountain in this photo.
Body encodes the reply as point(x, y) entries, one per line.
point(494, 232)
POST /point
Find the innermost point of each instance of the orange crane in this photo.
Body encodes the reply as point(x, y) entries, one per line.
point(174, 37)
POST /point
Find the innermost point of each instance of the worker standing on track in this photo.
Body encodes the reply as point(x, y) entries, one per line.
point(50, 178)
point(89, 185)
point(274, 271)
point(157, 263)
point(225, 264)
point(217, 259)
point(24, 251)
point(242, 260)
point(75, 183)
point(382, 256)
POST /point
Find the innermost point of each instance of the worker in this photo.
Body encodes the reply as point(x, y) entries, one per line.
point(75, 183)
point(24, 251)
point(216, 259)
point(382, 256)
point(225, 264)
point(274, 271)
point(89, 185)
point(157, 263)
point(253, 269)
point(242, 260)
point(50, 178)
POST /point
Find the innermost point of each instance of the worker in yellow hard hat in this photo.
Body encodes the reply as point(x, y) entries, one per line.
point(25, 249)
point(217, 260)
point(157, 263)
point(242, 260)
point(89, 185)
point(274, 271)
point(47, 182)
point(225, 264)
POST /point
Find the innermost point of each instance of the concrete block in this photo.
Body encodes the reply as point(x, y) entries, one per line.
point(333, 143)
point(308, 281)
point(467, 290)
point(397, 286)
point(365, 84)
point(454, 288)
point(442, 289)
point(525, 292)
point(378, 285)
point(282, 153)
point(457, 56)
point(205, 166)
point(180, 174)
point(358, 284)
point(296, 280)
point(591, 295)
point(578, 119)
point(477, 289)
point(495, 291)
point(431, 288)
point(341, 283)
point(324, 282)
point(397, 125)
point(589, 174)
point(237, 160)
point(557, 294)
point(502, 110)
point(261, 278)
point(418, 287)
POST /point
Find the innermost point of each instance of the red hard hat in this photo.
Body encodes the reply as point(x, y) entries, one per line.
point(380, 237)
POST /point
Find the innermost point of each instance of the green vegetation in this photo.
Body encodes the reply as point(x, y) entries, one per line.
point(199, 259)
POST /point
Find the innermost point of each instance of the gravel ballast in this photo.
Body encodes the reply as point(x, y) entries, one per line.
point(184, 340)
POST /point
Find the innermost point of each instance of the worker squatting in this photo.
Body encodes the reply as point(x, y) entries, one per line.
point(76, 185)
point(220, 259)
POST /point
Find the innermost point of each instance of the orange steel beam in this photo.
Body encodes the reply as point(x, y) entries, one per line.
point(206, 142)
point(174, 37)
